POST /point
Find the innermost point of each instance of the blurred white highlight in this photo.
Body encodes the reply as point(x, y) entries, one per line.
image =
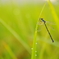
point(52, 0)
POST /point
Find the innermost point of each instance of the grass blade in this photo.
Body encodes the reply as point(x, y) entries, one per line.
point(9, 50)
point(54, 13)
point(35, 36)
point(16, 35)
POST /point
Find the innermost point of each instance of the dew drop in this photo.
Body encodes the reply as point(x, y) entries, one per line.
point(35, 54)
point(36, 43)
point(35, 51)
point(31, 48)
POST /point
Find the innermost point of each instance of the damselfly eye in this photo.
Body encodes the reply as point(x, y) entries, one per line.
point(40, 19)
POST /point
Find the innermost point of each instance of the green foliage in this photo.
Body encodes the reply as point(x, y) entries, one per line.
point(18, 31)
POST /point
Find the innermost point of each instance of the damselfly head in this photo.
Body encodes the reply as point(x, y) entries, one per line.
point(42, 20)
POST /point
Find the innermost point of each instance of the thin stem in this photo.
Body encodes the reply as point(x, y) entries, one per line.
point(35, 36)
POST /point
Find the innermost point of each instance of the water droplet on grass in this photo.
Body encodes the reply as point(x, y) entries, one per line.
point(31, 48)
point(36, 43)
point(35, 51)
point(35, 54)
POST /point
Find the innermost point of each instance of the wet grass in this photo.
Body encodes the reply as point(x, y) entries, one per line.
point(18, 26)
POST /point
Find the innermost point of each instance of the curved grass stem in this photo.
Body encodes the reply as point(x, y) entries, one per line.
point(35, 35)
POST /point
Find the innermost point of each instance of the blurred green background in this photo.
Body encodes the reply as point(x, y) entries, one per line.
point(18, 19)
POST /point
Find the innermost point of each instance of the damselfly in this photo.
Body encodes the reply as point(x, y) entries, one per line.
point(46, 28)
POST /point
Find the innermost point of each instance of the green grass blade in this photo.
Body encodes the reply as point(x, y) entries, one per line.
point(54, 13)
point(16, 35)
point(35, 36)
point(9, 50)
